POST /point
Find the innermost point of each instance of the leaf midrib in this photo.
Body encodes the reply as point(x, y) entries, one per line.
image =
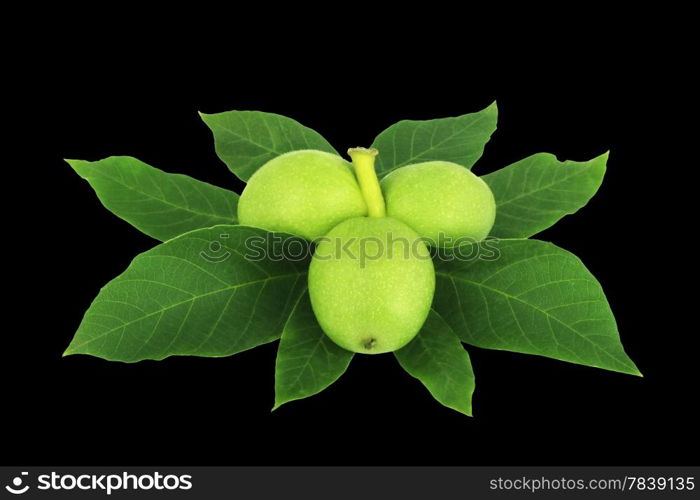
point(456, 404)
point(97, 173)
point(541, 188)
point(545, 313)
point(432, 146)
point(306, 365)
point(172, 306)
point(248, 139)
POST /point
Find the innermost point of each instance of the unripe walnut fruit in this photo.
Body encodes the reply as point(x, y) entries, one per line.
point(443, 202)
point(371, 283)
point(304, 192)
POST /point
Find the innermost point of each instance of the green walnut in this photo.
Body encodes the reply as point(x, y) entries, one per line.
point(371, 283)
point(442, 201)
point(304, 192)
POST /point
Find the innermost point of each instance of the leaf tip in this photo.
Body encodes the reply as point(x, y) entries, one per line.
point(631, 369)
point(80, 167)
point(466, 411)
point(462, 408)
point(72, 349)
point(204, 116)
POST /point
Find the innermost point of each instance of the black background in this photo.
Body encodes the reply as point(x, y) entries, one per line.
point(528, 410)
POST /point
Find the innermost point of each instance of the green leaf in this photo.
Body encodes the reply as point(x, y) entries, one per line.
point(531, 297)
point(307, 360)
point(246, 140)
point(534, 193)
point(159, 204)
point(210, 292)
point(460, 140)
point(437, 358)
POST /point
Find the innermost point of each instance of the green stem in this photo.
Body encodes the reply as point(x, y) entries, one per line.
point(363, 161)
